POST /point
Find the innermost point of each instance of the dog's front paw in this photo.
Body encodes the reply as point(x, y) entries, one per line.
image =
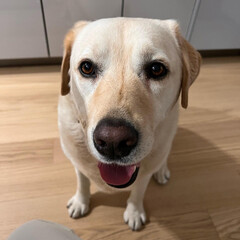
point(163, 175)
point(134, 216)
point(77, 207)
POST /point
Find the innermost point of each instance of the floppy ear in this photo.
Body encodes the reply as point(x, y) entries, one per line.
point(68, 42)
point(191, 61)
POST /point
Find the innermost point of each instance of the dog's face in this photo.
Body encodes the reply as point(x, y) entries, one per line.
point(125, 77)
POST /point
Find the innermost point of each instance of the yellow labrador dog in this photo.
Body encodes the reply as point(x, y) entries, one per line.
point(118, 109)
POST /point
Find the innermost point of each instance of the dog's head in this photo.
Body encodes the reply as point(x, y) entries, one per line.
point(125, 76)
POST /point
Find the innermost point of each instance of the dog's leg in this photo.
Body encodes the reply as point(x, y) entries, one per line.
point(163, 174)
point(134, 214)
point(78, 205)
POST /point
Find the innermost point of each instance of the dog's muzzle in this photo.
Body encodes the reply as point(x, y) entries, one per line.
point(115, 139)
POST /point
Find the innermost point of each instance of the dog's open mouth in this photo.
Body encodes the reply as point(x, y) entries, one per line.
point(118, 176)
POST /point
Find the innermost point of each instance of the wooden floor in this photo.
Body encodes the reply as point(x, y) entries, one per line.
point(201, 201)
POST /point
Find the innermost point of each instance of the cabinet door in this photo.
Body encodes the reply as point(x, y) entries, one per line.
point(217, 25)
point(180, 10)
point(22, 31)
point(61, 15)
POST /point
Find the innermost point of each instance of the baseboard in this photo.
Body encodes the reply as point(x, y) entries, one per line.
point(220, 53)
point(58, 60)
point(30, 62)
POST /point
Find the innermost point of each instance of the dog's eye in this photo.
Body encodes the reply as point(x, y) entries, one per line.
point(156, 70)
point(87, 69)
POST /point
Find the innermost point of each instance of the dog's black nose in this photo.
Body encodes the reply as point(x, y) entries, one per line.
point(115, 138)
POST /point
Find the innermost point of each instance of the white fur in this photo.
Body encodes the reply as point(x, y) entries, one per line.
point(119, 45)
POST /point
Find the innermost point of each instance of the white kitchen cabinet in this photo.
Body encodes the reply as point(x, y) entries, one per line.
point(61, 15)
point(180, 10)
point(22, 31)
point(217, 25)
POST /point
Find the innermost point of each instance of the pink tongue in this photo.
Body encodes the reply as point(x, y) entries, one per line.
point(116, 175)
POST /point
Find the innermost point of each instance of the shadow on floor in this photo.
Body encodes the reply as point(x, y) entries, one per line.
point(201, 180)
